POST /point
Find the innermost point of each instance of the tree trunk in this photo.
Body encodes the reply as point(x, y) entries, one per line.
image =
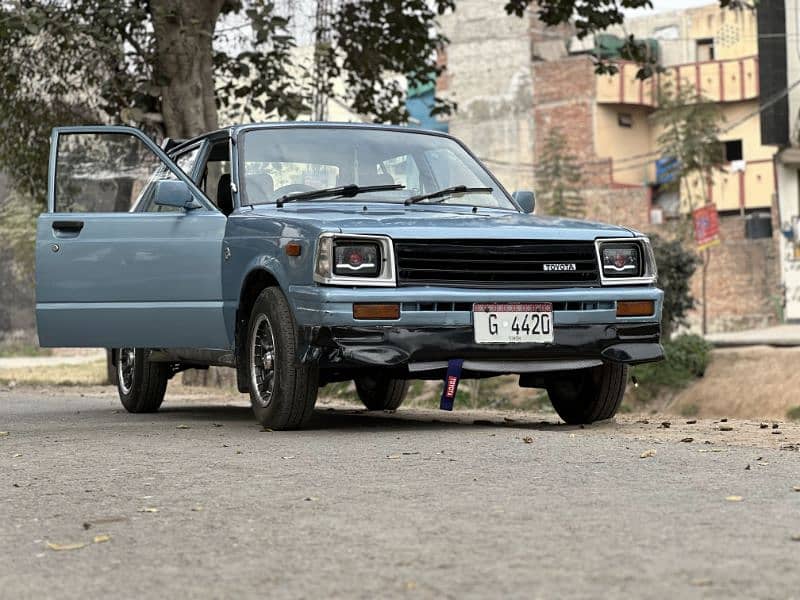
point(183, 31)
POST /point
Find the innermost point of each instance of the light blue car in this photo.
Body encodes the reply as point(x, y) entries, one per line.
point(302, 254)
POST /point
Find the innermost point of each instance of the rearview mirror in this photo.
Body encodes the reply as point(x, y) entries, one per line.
point(170, 192)
point(526, 201)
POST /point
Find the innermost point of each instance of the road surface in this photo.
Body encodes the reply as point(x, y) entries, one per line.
point(197, 501)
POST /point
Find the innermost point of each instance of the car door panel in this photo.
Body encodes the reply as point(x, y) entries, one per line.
point(114, 279)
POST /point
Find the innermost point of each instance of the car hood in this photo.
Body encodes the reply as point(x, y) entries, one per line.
point(438, 221)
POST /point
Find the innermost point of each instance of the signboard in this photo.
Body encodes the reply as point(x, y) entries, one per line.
point(706, 226)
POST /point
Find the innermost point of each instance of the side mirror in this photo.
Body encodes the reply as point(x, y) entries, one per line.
point(526, 201)
point(170, 192)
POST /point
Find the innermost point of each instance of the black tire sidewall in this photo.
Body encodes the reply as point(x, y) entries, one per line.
point(596, 394)
point(149, 384)
point(380, 391)
point(293, 383)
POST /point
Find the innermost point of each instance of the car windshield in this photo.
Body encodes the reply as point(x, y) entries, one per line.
point(286, 160)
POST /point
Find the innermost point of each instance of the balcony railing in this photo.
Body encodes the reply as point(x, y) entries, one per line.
point(717, 80)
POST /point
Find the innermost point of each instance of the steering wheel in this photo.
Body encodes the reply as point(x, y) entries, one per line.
point(291, 188)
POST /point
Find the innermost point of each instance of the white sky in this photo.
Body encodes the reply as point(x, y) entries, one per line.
point(666, 5)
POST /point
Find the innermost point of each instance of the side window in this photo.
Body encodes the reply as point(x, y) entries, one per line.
point(212, 176)
point(186, 162)
point(102, 172)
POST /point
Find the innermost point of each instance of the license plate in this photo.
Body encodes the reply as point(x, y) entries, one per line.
point(513, 323)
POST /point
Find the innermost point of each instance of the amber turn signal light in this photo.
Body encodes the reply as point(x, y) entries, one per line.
point(293, 249)
point(376, 311)
point(635, 308)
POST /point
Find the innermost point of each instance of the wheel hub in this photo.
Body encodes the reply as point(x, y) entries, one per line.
point(262, 361)
point(126, 363)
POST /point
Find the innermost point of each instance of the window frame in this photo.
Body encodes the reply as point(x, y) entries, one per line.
point(115, 130)
point(146, 201)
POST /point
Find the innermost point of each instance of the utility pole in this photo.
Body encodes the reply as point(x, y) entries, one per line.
point(322, 45)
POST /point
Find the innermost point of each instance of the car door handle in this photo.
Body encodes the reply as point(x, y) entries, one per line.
point(67, 228)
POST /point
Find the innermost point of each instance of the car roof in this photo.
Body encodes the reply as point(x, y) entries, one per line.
point(236, 129)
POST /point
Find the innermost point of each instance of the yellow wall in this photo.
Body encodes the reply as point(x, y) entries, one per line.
point(735, 32)
point(625, 146)
point(615, 142)
point(735, 46)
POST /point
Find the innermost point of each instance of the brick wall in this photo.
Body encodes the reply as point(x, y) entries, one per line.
point(564, 98)
point(743, 281)
point(626, 206)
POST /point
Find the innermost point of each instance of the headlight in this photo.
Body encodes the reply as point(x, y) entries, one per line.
point(358, 260)
point(626, 261)
point(621, 260)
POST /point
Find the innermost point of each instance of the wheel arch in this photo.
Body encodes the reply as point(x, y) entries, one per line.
point(256, 281)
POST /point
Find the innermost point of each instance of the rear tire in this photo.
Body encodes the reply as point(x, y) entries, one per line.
point(588, 395)
point(282, 391)
point(379, 392)
point(141, 384)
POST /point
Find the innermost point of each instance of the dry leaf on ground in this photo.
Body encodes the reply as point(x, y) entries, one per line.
point(648, 453)
point(60, 547)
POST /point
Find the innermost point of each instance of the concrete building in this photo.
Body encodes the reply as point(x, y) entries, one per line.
point(514, 80)
point(489, 76)
point(780, 124)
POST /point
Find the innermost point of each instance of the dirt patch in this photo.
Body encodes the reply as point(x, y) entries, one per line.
point(758, 382)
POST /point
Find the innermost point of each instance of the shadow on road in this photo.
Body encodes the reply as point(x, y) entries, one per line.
point(346, 419)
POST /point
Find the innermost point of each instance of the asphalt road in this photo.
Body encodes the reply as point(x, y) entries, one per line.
point(196, 501)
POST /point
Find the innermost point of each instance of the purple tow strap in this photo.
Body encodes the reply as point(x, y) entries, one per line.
point(451, 383)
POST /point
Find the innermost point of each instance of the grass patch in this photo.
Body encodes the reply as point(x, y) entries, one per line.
point(687, 357)
point(793, 413)
point(12, 349)
point(93, 373)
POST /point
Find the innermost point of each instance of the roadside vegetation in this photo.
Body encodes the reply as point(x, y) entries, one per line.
point(687, 358)
point(93, 373)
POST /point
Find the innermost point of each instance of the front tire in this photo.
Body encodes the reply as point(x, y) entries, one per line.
point(141, 383)
point(379, 392)
point(588, 395)
point(282, 392)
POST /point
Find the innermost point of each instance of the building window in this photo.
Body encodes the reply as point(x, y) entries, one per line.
point(705, 49)
point(733, 150)
point(625, 120)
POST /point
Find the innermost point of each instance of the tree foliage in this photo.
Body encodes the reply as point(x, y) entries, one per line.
point(592, 16)
point(559, 178)
point(676, 266)
point(690, 137)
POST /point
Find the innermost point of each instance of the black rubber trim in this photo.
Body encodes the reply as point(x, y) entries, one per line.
point(398, 346)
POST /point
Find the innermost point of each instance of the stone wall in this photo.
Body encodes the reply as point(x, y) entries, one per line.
point(488, 76)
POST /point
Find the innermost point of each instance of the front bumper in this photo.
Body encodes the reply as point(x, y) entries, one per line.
point(435, 325)
point(415, 347)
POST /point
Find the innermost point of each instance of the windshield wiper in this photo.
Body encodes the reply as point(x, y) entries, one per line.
point(342, 191)
point(451, 191)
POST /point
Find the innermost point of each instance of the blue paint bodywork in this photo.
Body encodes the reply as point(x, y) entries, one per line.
point(174, 280)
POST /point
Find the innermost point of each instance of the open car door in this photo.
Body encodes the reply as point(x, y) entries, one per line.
point(112, 274)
